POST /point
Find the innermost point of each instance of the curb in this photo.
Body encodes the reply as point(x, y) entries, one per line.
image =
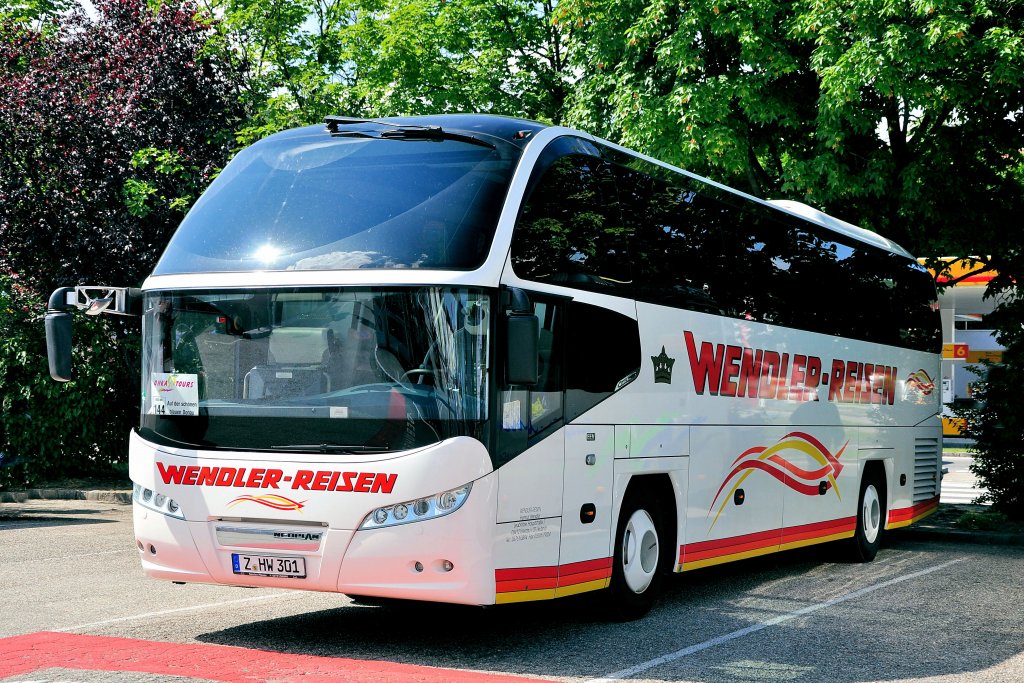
point(959, 536)
point(116, 497)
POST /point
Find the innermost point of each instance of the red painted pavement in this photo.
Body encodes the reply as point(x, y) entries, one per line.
point(22, 655)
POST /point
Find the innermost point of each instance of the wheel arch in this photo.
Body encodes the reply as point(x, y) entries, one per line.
point(881, 469)
point(662, 487)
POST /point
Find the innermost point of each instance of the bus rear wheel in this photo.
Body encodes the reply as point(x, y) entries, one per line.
point(867, 537)
point(639, 558)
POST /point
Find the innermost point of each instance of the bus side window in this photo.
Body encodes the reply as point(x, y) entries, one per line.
point(569, 231)
point(605, 356)
point(676, 241)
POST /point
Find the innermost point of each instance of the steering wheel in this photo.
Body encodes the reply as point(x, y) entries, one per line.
point(420, 372)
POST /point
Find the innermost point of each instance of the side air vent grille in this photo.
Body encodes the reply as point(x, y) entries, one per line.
point(926, 469)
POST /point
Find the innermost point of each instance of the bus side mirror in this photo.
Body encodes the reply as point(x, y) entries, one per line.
point(522, 329)
point(58, 335)
point(522, 366)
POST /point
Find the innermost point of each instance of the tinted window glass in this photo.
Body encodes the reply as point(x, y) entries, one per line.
point(309, 201)
point(569, 230)
point(529, 413)
point(697, 247)
point(895, 300)
point(677, 249)
point(382, 368)
point(605, 356)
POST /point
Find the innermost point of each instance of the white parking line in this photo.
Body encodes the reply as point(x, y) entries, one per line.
point(707, 644)
point(150, 615)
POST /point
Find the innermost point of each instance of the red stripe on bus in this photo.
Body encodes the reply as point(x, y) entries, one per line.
point(585, 566)
point(791, 536)
point(518, 573)
point(24, 655)
point(690, 556)
point(583, 577)
point(763, 539)
point(733, 540)
point(903, 514)
point(524, 585)
point(535, 578)
point(841, 524)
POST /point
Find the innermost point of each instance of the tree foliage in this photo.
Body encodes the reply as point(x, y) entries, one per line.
point(108, 130)
point(305, 59)
point(874, 110)
point(50, 430)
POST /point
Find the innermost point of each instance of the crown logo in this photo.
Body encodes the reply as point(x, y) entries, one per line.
point(663, 367)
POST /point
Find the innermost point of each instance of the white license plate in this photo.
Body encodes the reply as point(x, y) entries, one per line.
point(265, 565)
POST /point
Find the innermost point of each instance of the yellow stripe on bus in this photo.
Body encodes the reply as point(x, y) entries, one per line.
point(596, 585)
point(711, 561)
point(697, 564)
point(915, 518)
point(524, 596)
point(814, 541)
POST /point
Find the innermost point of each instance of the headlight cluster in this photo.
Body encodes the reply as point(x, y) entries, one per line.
point(157, 502)
point(431, 507)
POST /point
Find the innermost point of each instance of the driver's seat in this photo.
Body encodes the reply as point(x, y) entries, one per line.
point(297, 362)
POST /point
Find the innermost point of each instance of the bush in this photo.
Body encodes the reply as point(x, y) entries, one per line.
point(111, 125)
point(996, 421)
point(49, 429)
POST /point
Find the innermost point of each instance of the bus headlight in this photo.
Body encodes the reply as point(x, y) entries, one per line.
point(429, 507)
point(157, 502)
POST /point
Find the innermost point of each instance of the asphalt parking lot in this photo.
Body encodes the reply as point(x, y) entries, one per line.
point(77, 608)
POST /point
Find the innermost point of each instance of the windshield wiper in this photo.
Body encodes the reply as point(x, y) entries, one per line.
point(331, 448)
point(400, 131)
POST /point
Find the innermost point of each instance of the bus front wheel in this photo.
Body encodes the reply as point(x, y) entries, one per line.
point(639, 557)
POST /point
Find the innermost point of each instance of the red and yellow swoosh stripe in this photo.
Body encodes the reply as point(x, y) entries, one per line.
point(772, 461)
point(921, 381)
point(271, 501)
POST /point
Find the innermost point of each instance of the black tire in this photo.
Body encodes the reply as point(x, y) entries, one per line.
point(867, 537)
point(640, 557)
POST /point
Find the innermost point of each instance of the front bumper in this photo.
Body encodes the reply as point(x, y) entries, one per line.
point(445, 559)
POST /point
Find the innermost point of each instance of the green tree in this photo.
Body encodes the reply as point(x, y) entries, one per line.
point(305, 59)
point(112, 126)
point(900, 116)
point(50, 430)
point(109, 128)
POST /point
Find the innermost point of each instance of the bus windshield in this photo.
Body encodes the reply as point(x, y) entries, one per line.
point(304, 200)
point(317, 370)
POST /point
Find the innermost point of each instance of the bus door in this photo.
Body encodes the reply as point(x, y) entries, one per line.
point(584, 561)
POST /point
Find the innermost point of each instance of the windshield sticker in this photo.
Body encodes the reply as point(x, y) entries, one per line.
point(174, 394)
point(511, 415)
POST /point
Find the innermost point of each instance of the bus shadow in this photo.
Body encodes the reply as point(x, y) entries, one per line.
point(866, 639)
point(38, 521)
point(42, 514)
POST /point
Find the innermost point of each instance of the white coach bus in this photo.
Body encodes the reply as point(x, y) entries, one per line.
point(480, 360)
